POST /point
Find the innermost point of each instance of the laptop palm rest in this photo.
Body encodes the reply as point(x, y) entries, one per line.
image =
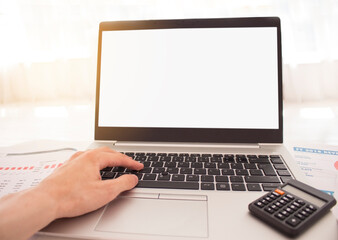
point(156, 214)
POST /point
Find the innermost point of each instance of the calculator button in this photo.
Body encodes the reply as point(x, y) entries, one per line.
point(296, 204)
point(259, 204)
point(280, 216)
point(274, 207)
point(289, 196)
point(269, 210)
point(293, 207)
point(300, 216)
point(301, 202)
point(305, 214)
point(282, 202)
point(286, 199)
point(313, 208)
point(269, 199)
point(278, 204)
point(293, 221)
point(289, 210)
point(273, 197)
point(308, 210)
point(264, 202)
point(285, 213)
point(276, 194)
point(280, 192)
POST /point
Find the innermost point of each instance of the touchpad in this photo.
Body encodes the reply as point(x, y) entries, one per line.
point(157, 214)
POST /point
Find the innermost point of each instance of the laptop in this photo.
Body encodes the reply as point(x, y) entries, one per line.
point(199, 102)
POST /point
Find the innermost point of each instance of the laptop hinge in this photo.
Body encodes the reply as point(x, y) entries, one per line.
point(180, 144)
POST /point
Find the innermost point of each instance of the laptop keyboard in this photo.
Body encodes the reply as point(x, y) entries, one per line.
point(222, 172)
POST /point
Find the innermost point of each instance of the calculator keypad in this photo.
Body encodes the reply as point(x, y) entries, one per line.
point(285, 207)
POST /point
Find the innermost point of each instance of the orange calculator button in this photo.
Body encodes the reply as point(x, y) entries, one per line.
point(279, 191)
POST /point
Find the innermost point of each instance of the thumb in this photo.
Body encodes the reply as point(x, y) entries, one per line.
point(120, 184)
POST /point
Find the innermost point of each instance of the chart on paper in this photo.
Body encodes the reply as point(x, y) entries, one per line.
point(22, 171)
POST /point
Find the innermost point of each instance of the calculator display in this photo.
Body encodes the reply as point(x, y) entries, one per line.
point(299, 193)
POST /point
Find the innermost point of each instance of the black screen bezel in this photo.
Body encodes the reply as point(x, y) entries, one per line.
point(206, 135)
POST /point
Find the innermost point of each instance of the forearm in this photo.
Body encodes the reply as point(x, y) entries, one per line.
point(24, 213)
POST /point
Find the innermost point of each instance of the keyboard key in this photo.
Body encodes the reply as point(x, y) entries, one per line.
point(224, 165)
point(141, 158)
point(193, 178)
point(169, 185)
point(157, 164)
point(223, 186)
point(207, 186)
point(107, 169)
point(203, 159)
point(153, 158)
point(236, 165)
point(267, 169)
point(259, 160)
point(212, 171)
point(158, 169)
point(149, 176)
point(170, 164)
point(205, 178)
point(151, 154)
point(108, 175)
point(146, 170)
point(210, 165)
point(253, 187)
point(280, 166)
point(161, 154)
point(178, 178)
point(146, 164)
point(228, 172)
point(197, 165)
point(283, 173)
point(186, 171)
point(238, 187)
point(250, 166)
point(261, 179)
point(236, 179)
point(228, 159)
point(256, 172)
point(190, 159)
point(162, 177)
point(178, 159)
point(242, 172)
point(216, 159)
point(165, 159)
point(172, 170)
point(222, 179)
point(276, 160)
point(200, 171)
point(183, 164)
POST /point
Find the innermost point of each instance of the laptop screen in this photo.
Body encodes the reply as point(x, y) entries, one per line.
point(191, 78)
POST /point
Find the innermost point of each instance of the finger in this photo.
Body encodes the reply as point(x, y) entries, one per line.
point(117, 159)
point(115, 186)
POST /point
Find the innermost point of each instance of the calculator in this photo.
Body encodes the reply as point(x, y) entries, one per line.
point(292, 207)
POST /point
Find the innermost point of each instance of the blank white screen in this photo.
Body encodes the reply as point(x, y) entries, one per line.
point(189, 78)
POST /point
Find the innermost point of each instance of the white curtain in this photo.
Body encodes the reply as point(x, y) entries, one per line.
point(48, 48)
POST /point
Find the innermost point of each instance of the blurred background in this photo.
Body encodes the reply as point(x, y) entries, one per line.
point(48, 51)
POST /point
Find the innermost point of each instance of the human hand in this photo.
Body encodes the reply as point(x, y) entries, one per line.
point(77, 187)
